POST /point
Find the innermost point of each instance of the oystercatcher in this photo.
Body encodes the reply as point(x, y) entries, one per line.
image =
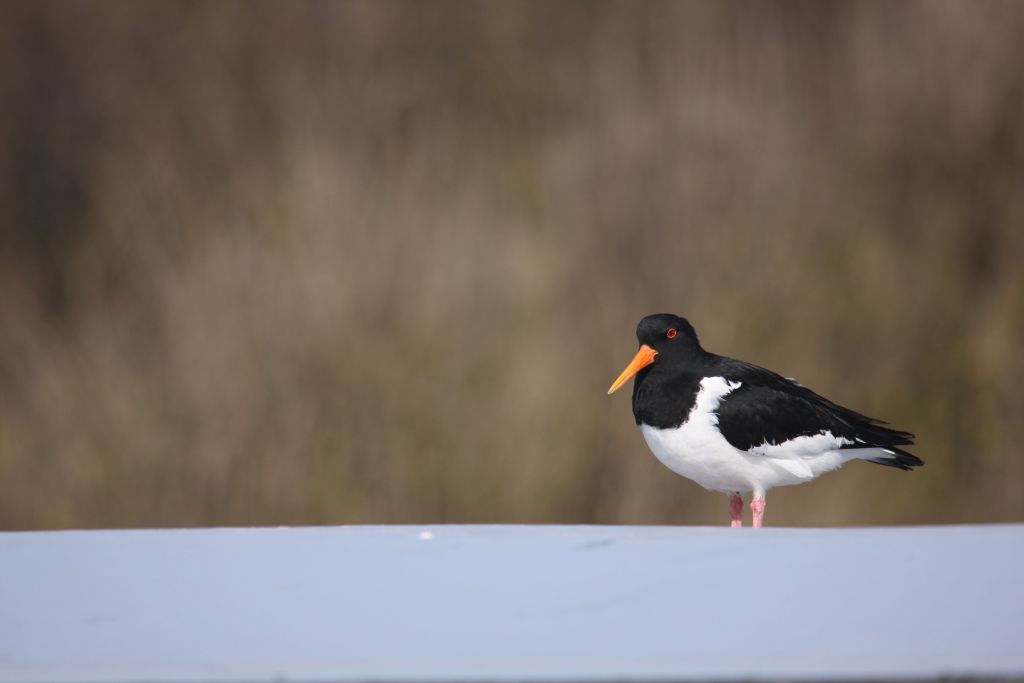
point(734, 427)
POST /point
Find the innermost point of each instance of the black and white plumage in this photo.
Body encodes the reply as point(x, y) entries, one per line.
point(734, 427)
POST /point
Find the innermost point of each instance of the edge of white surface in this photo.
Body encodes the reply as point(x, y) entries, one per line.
point(599, 577)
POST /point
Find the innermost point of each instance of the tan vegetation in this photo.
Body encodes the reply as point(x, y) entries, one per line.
point(307, 263)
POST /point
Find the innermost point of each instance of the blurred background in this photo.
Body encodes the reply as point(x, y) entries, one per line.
point(331, 263)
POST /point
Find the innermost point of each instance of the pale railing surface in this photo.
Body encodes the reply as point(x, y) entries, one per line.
point(512, 603)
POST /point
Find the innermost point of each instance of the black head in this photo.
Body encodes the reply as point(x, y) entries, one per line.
point(664, 339)
point(667, 334)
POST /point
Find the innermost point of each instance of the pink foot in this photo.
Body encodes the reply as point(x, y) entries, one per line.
point(757, 507)
point(736, 510)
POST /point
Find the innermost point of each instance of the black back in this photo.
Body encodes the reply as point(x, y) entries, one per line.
point(765, 409)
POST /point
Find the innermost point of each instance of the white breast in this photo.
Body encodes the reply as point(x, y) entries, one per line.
point(698, 451)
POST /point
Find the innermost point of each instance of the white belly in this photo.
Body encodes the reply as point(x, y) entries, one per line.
point(698, 451)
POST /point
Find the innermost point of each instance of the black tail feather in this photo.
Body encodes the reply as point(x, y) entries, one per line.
point(876, 436)
point(900, 459)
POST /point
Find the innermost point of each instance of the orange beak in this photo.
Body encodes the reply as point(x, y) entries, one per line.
point(643, 358)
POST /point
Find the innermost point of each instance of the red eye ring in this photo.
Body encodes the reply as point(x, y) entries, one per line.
point(671, 334)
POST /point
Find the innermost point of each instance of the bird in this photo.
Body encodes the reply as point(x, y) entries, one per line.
point(738, 428)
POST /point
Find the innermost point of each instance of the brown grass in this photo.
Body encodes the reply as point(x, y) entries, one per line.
point(303, 263)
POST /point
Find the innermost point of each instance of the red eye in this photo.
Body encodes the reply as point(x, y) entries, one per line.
point(671, 334)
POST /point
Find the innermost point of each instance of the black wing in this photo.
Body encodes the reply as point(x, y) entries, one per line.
point(768, 408)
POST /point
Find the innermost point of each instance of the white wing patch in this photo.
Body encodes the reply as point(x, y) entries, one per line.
point(796, 455)
point(801, 446)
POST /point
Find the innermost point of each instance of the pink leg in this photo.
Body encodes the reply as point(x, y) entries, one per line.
point(757, 507)
point(736, 510)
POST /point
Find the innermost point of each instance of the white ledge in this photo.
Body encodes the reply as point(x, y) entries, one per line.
point(511, 603)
